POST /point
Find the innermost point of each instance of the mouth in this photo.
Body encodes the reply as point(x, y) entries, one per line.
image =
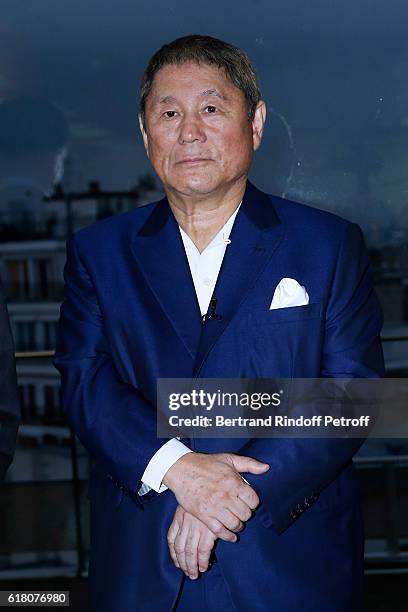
point(191, 161)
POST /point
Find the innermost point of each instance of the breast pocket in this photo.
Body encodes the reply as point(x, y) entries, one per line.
point(286, 341)
point(291, 314)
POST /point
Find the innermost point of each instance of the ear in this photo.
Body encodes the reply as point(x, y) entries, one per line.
point(258, 123)
point(144, 135)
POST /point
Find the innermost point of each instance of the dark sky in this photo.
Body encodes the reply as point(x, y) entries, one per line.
point(334, 75)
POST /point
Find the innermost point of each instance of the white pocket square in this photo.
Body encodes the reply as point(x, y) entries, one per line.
point(289, 293)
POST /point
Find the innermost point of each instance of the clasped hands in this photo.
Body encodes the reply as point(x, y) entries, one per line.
point(214, 502)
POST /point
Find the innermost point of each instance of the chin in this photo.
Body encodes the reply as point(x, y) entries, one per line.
point(197, 186)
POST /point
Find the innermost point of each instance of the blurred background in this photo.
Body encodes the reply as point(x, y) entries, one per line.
point(334, 74)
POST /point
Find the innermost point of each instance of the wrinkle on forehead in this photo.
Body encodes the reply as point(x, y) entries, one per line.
point(183, 71)
point(206, 93)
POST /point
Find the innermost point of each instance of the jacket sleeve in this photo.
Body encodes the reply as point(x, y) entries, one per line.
point(301, 468)
point(111, 418)
point(9, 404)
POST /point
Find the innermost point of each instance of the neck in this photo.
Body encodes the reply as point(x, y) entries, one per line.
point(203, 215)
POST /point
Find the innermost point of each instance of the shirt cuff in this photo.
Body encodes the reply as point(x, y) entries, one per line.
point(160, 463)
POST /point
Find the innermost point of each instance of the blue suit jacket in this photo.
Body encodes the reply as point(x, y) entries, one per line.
point(131, 315)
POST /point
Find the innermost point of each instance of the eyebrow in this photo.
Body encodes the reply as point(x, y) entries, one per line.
point(205, 93)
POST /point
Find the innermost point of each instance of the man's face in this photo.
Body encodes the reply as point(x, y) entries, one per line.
point(198, 136)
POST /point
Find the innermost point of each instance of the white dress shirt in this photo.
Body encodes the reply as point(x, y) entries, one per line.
point(204, 268)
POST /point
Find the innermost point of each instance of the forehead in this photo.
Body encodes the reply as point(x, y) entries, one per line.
point(192, 79)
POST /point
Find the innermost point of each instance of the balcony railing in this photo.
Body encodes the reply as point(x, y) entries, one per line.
point(34, 292)
point(17, 229)
point(384, 485)
point(56, 515)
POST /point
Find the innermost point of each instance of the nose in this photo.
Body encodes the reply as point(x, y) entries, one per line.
point(191, 130)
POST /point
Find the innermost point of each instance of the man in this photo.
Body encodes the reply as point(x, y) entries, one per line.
point(137, 287)
point(9, 405)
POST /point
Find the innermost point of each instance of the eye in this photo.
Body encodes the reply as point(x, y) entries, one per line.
point(169, 114)
point(211, 109)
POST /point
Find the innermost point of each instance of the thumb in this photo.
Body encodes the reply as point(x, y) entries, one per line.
point(248, 464)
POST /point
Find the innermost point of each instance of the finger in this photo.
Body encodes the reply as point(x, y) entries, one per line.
point(171, 536)
point(248, 496)
point(219, 530)
point(248, 464)
point(172, 532)
point(205, 547)
point(192, 551)
point(180, 546)
point(173, 555)
point(229, 519)
point(179, 515)
point(240, 508)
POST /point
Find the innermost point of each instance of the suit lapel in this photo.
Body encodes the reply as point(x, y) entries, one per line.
point(255, 235)
point(159, 250)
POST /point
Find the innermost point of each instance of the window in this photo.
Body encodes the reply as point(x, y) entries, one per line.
point(52, 403)
point(17, 284)
point(24, 335)
point(27, 403)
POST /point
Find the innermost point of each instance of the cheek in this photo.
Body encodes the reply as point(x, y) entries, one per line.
point(160, 151)
point(236, 150)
